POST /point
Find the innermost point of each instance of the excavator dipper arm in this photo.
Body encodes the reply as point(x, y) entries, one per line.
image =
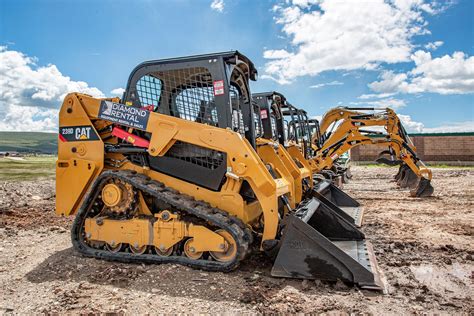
point(350, 133)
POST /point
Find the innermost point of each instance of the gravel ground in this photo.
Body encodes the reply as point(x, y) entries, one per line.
point(425, 248)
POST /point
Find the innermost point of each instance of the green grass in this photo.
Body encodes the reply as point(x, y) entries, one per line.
point(46, 143)
point(29, 168)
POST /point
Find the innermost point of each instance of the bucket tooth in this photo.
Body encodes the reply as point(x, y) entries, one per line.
point(306, 254)
point(339, 201)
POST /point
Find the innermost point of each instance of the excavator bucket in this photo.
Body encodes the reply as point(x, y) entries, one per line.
point(385, 157)
point(408, 179)
point(339, 200)
point(306, 253)
point(422, 189)
point(399, 173)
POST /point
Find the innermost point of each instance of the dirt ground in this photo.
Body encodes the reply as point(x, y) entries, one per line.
point(425, 247)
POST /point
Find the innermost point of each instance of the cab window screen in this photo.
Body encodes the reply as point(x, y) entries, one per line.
point(149, 91)
point(196, 104)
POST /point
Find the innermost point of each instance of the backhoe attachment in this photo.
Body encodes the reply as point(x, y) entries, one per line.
point(422, 189)
point(351, 132)
point(408, 178)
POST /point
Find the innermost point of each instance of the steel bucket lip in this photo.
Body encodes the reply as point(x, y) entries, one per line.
point(285, 267)
point(379, 276)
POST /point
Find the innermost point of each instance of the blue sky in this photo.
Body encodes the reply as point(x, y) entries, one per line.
point(320, 54)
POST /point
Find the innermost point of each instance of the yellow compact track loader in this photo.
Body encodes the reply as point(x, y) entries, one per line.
point(287, 125)
point(175, 172)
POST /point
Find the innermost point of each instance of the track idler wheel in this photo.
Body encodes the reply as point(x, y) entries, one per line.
point(114, 247)
point(230, 250)
point(165, 252)
point(422, 189)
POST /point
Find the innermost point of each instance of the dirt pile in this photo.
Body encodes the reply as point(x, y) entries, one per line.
point(29, 204)
point(425, 247)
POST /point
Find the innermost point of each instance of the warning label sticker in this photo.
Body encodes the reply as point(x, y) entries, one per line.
point(263, 114)
point(125, 115)
point(219, 87)
point(77, 133)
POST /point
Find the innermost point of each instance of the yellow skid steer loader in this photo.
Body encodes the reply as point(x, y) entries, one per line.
point(174, 173)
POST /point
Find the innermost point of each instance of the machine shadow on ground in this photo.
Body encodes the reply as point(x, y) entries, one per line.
point(251, 283)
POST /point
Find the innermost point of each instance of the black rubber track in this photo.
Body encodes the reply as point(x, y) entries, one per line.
point(179, 202)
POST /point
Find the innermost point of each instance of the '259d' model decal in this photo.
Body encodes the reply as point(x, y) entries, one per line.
point(77, 133)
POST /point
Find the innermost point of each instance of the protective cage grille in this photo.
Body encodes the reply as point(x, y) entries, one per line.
point(204, 157)
point(189, 94)
point(185, 93)
point(149, 91)
point(258, 124)
point(237, 116)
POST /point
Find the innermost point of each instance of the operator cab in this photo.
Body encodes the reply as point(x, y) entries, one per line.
point(211, 89)
point(269, 104)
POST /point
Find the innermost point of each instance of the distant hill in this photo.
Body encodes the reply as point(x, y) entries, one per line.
point(46, 143)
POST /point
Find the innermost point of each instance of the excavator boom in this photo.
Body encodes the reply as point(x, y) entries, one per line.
point(345, 128)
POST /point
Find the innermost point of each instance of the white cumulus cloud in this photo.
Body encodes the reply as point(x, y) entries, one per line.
point(117, 92)
point(375, 96)
point(434, 45)
point(344, 35)
point(382, 103)
point(30, 95)
point(455, 127)
point(217, 5)
point(410, 125)
point(449, 127)
point(444, 75)
point(332, 83)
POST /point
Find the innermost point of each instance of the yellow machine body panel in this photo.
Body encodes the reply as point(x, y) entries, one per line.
point(80, 156)
point(243, 162)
